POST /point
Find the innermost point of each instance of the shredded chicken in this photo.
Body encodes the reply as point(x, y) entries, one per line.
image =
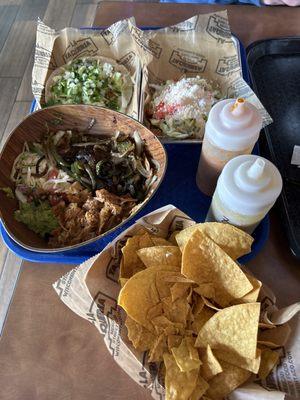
point(86, 217)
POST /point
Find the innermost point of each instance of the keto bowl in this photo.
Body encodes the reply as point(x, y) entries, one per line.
point(98, 121)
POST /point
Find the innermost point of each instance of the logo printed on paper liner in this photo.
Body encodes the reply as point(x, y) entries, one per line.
point(185, 26)
point(238, 88)
point(218, 28)
point(104, 307)
point(64, 283)
point(188, 61)
point(110, 35)
point(79, 48)
point(37, 89)
point(113, 267)
point(148, 45)
point(228, 65)
point(128, 59)
point(43, 58)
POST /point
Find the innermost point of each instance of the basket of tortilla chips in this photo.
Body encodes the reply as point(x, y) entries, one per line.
point(169, 296)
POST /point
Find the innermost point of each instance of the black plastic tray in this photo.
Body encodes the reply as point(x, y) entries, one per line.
point(274, 67)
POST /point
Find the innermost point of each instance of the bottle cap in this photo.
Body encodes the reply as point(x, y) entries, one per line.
point(233, 125)
point(249, 184)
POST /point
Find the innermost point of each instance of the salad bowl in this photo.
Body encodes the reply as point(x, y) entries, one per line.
point(98, 121)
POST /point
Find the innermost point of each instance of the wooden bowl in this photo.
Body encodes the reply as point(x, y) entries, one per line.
point(63, 117)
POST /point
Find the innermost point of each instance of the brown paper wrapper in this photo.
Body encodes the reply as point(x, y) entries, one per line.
point(201, 45)
point(91, 291)
point(54, 49)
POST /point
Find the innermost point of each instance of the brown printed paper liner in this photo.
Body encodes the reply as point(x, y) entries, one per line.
point(91, 291)
point(56, 48)
point(201, 45)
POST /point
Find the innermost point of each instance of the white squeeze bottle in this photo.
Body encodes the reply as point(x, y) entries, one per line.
point(246, 190)
point(232, 129)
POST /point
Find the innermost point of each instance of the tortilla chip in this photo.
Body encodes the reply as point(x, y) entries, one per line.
point(176, 311)
point(179, 385)
point(206, 290)
point(205, 262)
point(200, 389)
point(210, 365)
point(122, 281)
point(160, 255)
point(179, 290)
point(228, 380)
point(139, 295)
point(158, 349)
point(172, 238)
point(186, 356)
point(232, 329)
point(269, 359)
point(252, 296)
point(141, 338)
point(250, 364)
point(201, 318)
point(173, 341)
point(131, 263)
point(276, 337)
point(232, 240)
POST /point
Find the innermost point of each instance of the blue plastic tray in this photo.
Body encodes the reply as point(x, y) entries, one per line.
point(178, 188)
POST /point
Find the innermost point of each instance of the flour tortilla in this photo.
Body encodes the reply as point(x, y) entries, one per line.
point(126, 94)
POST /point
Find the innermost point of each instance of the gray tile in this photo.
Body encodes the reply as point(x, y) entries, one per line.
point(8, 279)
point(8, 89)
point(31, 10)
point(58, 15)
point(19, 111)
point(7, 17)
point(15, 53)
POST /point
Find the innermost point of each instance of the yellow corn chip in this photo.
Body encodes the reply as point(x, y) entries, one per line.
point(232, 240)
point(210, 365)
point(179, 385)
point(201, 318)
point(139, 295)
point(205, 262)
point(158, 349)
point(252, 296)
point(173, 341)
point(160, 255)
point(141, 338)
point(269, 359)
point(276, 337)
point(224, 383)
point(186, 356)
point(179, 290)
point(206, 290)
point(172, 238)
point(250, 364)
point(123, 281)
point(200, 389)
point(232, 329)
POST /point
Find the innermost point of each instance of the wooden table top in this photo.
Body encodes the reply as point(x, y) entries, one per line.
point(249, 23)
point(48, 352)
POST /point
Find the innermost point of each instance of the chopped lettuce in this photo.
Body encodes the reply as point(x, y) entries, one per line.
point(89, 82)
point(38, 217)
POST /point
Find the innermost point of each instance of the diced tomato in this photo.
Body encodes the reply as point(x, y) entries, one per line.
point(162, 110)
point(52, 174)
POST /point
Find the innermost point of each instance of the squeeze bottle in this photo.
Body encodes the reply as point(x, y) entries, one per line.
point(247, 189)
point(232, 129)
